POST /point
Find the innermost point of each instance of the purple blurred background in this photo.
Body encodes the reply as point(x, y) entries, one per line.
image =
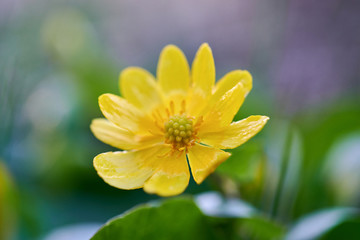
point(305, 52)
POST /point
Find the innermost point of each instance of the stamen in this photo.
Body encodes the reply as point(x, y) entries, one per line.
point(180, 132)
point(172, 107)
point(183, 106)
point(158, 119)
point(199, 121)
point(157, 124)
point(159, 115)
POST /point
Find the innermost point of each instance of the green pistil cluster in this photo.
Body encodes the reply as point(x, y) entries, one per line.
point(179, 130)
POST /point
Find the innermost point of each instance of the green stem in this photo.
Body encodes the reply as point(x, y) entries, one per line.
point(283, 169)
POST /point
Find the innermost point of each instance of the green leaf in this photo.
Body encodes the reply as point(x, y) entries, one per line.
point(244, 163)
point(173, 219)
point(180, 218)
point(250, 223)
point(349, 230)
point(7, 207)
point(261, 228)
point(319, 223)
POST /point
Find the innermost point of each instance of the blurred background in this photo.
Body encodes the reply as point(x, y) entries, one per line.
point(57, 57)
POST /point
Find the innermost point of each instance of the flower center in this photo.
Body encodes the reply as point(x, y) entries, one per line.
point(180, 132)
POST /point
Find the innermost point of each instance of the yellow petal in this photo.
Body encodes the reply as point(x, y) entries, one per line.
point(203, 79)
point(196, 103)
point(235, 134)
point(138, 86)
point(204, 160)
point(203, 71)
point(219, 114)
point(110, 134)
point(125, 115)
point(173, 70)
point(230, 80)
point(128, 170)
point(171, 178)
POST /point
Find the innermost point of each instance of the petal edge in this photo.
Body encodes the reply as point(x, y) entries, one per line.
point(123, 114)
point(112, 135)
point(171, 178)
point(173, 70)
point(139, 87)
point(127, 170)
point(203, 71)
point(236, 134)
point(204, 160)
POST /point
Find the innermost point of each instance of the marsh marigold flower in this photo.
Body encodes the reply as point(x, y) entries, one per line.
point(181, 120)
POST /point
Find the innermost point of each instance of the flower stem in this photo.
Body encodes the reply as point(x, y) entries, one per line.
point(283, 170)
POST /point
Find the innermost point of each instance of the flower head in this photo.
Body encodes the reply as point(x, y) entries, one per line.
point(183, 117)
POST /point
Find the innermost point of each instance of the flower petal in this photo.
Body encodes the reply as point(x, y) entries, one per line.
point(139, 87)
point(204, 160)
point(171, 178)
point(128, 170)
point(173, 70)
point(219, 114)
point(125, 115)
point(230, 80)
point(195, 103)
point(110, 134)
point(203, 70)
point(203, 79)
point(235, 134)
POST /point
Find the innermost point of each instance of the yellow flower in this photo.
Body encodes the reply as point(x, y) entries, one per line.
point(183, 117)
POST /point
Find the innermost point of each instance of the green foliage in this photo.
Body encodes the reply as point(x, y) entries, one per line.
point(321, 131)
point(7, 204)
point(174, 219)
point(261, 228)
point(349, 230)
point(326, 224)
point(243, 165)
point(180, 218)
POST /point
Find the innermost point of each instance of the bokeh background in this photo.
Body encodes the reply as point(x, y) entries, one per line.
point(57, 57)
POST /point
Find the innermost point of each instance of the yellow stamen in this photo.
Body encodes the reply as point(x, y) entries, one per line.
point(172, 107)
point(180, 132)
point(183, 107)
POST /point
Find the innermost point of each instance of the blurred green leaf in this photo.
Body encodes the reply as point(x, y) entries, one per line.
point(319, 223)
point(250, 223)
point(243, 173)
point(242, 166)
point(83, 55)
point(7, 207)
point(261, 228)
point(180, 218)
point(173, 219)
point(341, 169)
point(349, 230)
point(320, 132)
